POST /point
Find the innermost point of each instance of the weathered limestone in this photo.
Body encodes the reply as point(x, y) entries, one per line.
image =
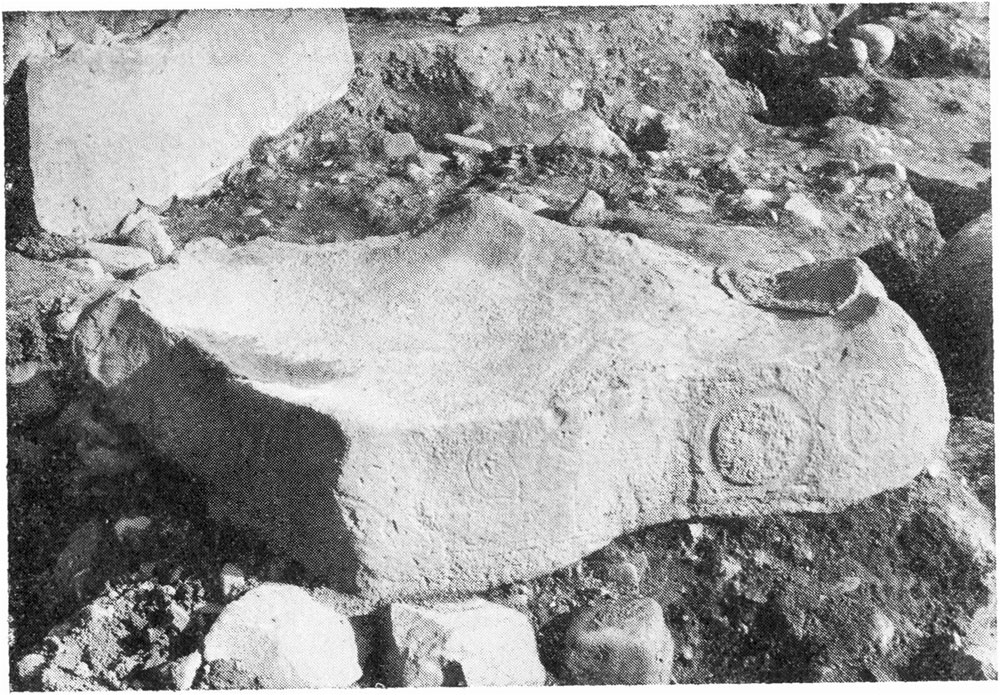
point(280, 637)
point(503, 394)
point(474, 643)
point(176, 108)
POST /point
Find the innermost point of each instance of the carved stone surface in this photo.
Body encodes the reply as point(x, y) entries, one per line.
point(502, 394)
point(160, 116)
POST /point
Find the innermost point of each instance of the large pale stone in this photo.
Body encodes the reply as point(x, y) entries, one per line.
point(280, 637)
point(502, 394)
point(113, 124)
point(474, 643)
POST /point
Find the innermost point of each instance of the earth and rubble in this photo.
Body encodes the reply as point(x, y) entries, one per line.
point(499, 346)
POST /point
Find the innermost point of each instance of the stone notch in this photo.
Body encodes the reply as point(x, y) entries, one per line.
point(502, 394)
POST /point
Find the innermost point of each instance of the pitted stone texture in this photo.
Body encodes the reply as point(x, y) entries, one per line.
point(621, 642)
point(174, 109)
point(502, 395)
point(278, 636)
point(474, 643)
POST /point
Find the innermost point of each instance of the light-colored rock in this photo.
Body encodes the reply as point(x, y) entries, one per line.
point(174, 109)
point(119, 260)
point(131, 527)
point(399, 145)
point(500, 360)
point(474, 643)
point(185, 670)
point(755, 200)
point(90, 267)
point(417, 174)
point(531, 203)
point(587, 211)
point(29, 668)
point(286, 639)
point(144, 229)
point(879, 39)
point(856, 52)
point(589, 134)
point(624, 573)
point(432, 162)
point(232, 579)
point(622, 642)
point(473, 144)
point(572, 97)
point(804, 210)
point(691, 206)
point(22, 372)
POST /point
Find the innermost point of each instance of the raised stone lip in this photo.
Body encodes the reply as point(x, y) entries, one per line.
point(822, 288)
point(408, 411)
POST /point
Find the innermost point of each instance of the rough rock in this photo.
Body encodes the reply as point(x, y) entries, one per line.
point(432, 162)
point(215, 81)
point(144, 229)
point(879, 40)
point(959, 320)
point(622, 642)
point(469, 357)
point(399, 145)
point(587, 211)
point(281, 637)
point(474, 643)
point(120, 261)
point(48, 33)
point(588, 133)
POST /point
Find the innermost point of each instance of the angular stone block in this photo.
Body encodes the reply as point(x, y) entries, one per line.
point(160, 116)
point(474, 643)
point(502, 395)
point(623, 642)
point(280, 637)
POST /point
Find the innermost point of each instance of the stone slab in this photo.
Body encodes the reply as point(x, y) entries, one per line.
point(503, 394)
point(169, 112)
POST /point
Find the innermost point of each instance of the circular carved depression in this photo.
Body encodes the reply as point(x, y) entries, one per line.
point(760, 439)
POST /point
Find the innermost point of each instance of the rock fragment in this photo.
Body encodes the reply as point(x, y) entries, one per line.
point(399, 145)
point(474, 643)
point(120, 261)
point(589, 134)
point(621, 642)
point(144, 229)
point(878, 39)
point(432, 162)
point(469, 143)
point(804, 210)
point(587, 211)
point(280, 637)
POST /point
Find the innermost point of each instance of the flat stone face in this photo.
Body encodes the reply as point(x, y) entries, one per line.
point(172, 110)
point(502, 395)
point(279, 636)
point(474, 643)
